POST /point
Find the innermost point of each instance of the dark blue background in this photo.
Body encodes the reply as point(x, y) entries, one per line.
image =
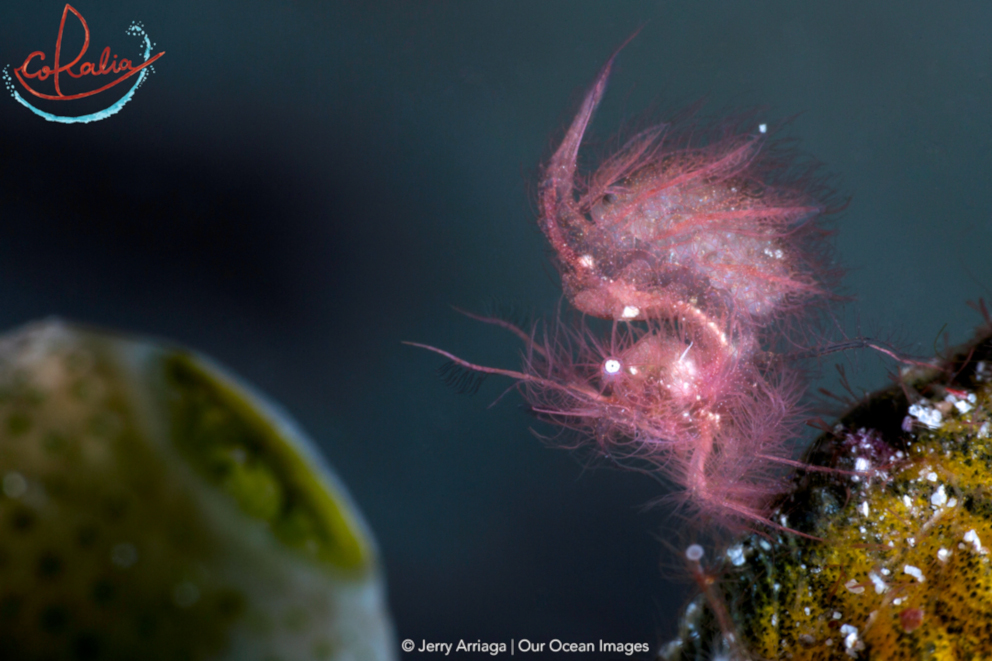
point(301, 185)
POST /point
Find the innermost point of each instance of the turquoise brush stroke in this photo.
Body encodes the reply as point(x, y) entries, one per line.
point(96, 116)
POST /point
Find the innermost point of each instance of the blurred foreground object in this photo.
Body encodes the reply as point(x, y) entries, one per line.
point(153, 507)
point(904, 569)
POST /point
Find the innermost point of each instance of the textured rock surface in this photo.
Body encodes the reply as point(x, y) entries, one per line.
point(902, 567)
point(152, 507)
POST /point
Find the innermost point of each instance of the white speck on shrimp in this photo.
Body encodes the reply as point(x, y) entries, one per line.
point(694, 552)
point(630, 311)
point(587, 261)
point(611, 366)
point(762, 128)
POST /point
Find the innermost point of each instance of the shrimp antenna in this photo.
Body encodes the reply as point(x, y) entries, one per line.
point(463, 380)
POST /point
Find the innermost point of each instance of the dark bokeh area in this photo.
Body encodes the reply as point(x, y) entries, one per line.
point(302, 185)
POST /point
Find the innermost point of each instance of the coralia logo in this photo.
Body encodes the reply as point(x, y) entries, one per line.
point(33, 71)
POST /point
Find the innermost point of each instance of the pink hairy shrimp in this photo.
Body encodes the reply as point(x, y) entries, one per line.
point(658, 398)
point(702, 250)
point(666, 228)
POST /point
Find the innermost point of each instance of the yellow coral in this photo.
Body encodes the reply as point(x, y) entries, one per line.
point(902, 567)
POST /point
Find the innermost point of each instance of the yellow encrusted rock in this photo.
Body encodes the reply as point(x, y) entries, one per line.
point(898, 562)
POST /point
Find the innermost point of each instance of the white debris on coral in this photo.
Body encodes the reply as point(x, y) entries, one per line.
point(943, 555)
point(863, 508)
point(982, 371)
point(927, 415)
point(914, 572)
point(736, 555)
point(854, 586)
point(972, 538)
point(852, 642)
point(963, 405)
point(861, 465)
point(939, 497)
point(880, 585)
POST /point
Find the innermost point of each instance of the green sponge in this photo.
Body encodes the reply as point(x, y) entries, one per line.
point(154, 507)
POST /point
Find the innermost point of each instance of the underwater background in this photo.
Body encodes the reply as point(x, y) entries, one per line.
point(302, 185)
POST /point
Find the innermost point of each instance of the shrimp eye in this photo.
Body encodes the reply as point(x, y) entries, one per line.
point(611, 366)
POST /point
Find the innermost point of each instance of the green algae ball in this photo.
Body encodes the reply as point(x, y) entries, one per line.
point(896, 561)
point(154, 507)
